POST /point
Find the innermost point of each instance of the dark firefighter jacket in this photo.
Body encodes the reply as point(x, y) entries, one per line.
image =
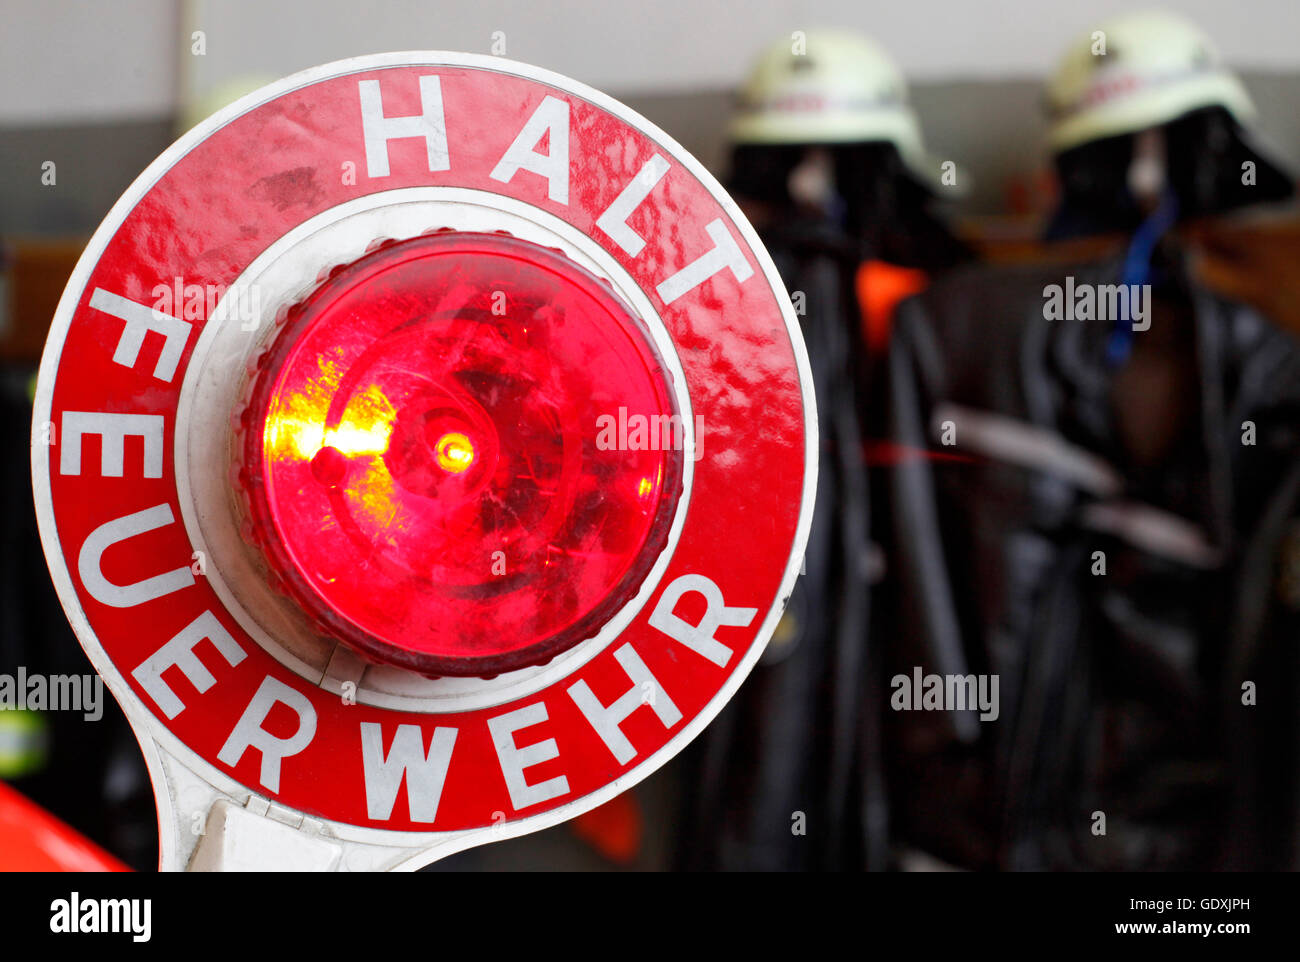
point(1140, 612)
point(777, 781)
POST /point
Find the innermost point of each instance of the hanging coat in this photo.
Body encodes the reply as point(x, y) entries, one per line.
point(1119, 578)
point(777, 782)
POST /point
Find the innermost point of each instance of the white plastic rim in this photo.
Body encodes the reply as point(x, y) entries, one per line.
point(212, 387)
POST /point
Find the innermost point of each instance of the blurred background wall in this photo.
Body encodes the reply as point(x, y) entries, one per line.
point(97, 87)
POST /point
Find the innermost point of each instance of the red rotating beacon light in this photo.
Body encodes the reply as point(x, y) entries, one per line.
point(421, 463)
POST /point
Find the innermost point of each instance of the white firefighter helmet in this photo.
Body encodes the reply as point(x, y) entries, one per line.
point(1137, 71)
point(830, 87)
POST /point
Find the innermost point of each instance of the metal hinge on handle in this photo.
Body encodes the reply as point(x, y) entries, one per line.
point(202, 829)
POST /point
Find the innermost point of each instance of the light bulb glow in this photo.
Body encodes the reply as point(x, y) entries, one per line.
point(454, 452)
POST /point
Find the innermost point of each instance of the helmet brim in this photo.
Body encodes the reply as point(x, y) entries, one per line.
point(1153, 106)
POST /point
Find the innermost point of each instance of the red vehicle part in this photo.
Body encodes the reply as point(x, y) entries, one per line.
point(33, 840)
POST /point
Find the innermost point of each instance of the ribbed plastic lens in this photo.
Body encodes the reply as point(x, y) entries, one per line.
point(461, 454)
